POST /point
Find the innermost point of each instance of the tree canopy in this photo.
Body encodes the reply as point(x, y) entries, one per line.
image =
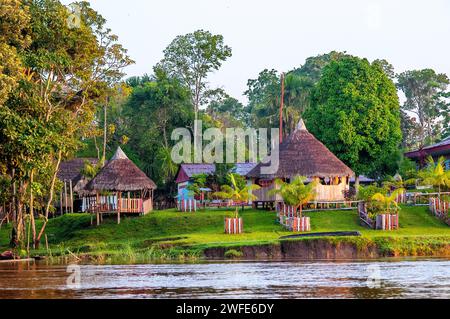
point(355, 113)
point(425, 91)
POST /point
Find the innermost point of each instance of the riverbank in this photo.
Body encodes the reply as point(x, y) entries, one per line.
point(164, 235)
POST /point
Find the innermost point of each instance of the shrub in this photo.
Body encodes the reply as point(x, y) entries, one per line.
point(233, 253)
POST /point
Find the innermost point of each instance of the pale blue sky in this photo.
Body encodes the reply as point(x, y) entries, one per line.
point(280, 34)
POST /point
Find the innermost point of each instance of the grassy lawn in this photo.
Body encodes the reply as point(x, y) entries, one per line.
point(169, 229)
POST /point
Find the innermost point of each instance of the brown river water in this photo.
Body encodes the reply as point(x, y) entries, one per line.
point(398, 278)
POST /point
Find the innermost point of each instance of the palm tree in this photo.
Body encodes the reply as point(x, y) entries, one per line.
point(435, 174)
point(387, 201)
point(164, 162)
point(295, 193)
point(236, 193)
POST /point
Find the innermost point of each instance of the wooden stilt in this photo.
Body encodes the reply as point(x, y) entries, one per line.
point(71, 196)
point(118, 206)
point(65, 195)
point(61, 202)
point(97, 204)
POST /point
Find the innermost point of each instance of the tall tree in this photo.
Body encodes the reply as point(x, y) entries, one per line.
point(264, 92)
point(226, 110)
point(14, 22)
point(411, 131)
point(191, 58)
point(263, 95)
point(423, 90)
point(66, 70)
point(355, 113)
point(444, 107)
point(153, 109)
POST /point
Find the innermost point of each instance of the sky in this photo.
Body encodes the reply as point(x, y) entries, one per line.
point(281, 34)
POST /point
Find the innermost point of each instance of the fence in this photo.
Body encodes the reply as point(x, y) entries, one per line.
point(440, 209)
point(187, 205)
point(286, 210)
point(131, 205)
point(364, 216)
point(300, 224)
point(382, 221)
point(419, 199)
point(234, 226)
point(387, 221)
point(401, 198)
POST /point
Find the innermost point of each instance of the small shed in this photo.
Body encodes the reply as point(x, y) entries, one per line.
point(120, 187)
point(186, 173)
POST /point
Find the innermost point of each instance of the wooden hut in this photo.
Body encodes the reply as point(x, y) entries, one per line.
point(301, 154)
point(120, 187)
point(73, 184)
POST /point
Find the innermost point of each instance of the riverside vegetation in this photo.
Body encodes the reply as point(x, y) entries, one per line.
point(170, 235)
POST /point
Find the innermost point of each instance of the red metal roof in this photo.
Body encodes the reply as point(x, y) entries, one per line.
point(443, 147)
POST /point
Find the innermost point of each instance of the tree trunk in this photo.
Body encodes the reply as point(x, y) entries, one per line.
point(104, 133)
point(32, 221)
point(50, 200)
point(20, 208)
point(13, 242)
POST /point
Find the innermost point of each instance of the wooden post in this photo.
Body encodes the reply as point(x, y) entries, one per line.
point(118, 207)
point(65, 195)
point(71, 196)
point(61, 202)
point(97, 209)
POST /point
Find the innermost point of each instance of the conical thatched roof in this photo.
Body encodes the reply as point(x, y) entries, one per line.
point(301, 154)
point(120, 174)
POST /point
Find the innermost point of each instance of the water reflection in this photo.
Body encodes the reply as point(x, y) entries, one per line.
point(288, 279)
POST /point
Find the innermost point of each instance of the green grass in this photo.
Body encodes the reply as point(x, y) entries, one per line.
point(169, 234)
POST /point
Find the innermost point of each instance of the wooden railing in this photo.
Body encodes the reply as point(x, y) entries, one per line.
point(109, 204)
point(331, 205)
point(147, 205)
point(364, 216)
point(324, 193)
point(262, 194)
point(422, 198)
point(330, 192)
point(131, 205)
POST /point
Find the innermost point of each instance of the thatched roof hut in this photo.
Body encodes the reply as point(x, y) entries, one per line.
point(120, 174)
point(301, 154)
point(71, 169)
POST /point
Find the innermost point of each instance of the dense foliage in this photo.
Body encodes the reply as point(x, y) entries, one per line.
point(355, 112)
point(62, 95)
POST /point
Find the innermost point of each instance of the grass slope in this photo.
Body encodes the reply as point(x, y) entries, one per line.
point(165, 234)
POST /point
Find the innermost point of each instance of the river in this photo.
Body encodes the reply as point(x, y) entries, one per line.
point(419, 278)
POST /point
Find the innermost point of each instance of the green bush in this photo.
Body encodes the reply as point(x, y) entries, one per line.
point(233, 253)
